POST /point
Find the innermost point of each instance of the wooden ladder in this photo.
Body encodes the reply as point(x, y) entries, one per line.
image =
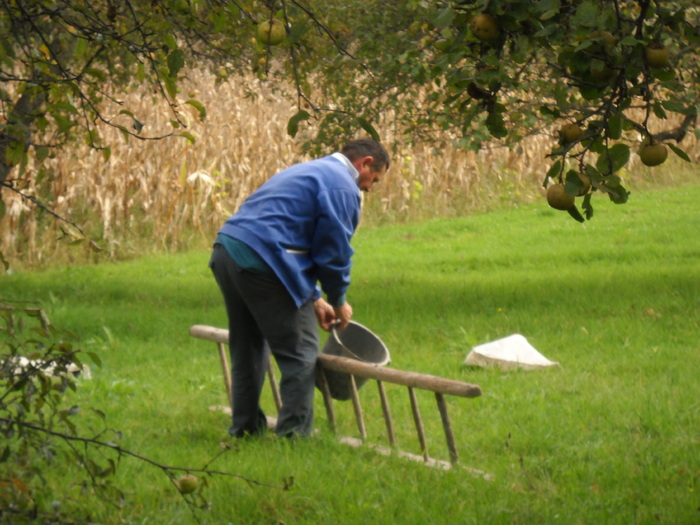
point(441, 387)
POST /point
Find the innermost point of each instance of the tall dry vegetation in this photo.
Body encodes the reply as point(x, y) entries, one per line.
point(171, 194)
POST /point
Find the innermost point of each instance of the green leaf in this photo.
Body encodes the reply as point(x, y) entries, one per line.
point(547, 30)
point(664, 75)
point(368, 128)
point(587, 207)
point(199, 107)
point(619, 195)
point(170, 41)
point(176, 61)
point(3, 208)
point(612, 159)
point(41, 152)
point(586, 14)
point(190, 138)
point(444, 18)
point(573, 184)
point(659, 111)
point(125, 132)
point(95, 358)
point(171, 86)
point(678, 107)
point(64, 123)
point(553, 172)
point(573, 211)
point(14, 153)
point(682, 154)
point(293, 124)
point(63, 106)
point(106, 153)
point(615, 126)
point(98, 74)
point(551, 14)
point(496, 125)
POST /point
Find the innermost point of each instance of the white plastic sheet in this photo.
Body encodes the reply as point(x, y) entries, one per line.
point(508, 353)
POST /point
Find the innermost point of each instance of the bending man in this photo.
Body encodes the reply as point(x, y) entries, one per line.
point(290, 236)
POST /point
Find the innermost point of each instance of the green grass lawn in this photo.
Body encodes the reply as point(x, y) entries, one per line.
point(610, 436)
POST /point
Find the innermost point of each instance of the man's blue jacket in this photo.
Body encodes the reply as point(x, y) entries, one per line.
point(301, 222)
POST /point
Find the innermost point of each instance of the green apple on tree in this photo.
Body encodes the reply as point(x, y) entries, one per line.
point(657, 55)
point(558, 199)
point(187, 483)
point(653, 154)
point(569, 133)
point(484, 26)
point(271, 32)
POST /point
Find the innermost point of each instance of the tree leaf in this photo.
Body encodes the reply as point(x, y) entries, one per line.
point(368, 128)
point(170, 41)
point(199, 107)
point(553, 172)
point(573, 184)
point(293, 124)
point(587, 207)
point(190, 138)
point(496, 125)
point(41, 152)
point(575, 214)
point(176, 61)
point(63, 106)
point(95, 358)
point(615, 126)
point(444, 18)
point(682, 154)
point(171, 86)
point(612, 159)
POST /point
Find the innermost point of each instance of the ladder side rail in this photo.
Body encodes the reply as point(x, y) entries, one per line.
point(350, 366)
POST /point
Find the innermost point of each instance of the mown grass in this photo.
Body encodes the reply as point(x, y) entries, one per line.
point(610, 436)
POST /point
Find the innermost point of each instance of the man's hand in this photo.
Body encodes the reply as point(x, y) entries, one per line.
point(324, 313)
point(342, 315)
point(328, 316)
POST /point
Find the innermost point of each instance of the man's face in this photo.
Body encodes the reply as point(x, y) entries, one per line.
point(368, 177)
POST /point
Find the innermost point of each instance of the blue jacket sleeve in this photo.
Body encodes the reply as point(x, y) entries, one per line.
point(337, 219)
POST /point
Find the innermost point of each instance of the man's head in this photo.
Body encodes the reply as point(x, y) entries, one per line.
point(369, 158)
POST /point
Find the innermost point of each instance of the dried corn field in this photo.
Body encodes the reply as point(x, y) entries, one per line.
point(171, 194)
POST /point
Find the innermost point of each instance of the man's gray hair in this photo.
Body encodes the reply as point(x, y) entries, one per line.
point(355, 149)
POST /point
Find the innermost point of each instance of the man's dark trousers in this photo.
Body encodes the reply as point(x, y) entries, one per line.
point(262, 319)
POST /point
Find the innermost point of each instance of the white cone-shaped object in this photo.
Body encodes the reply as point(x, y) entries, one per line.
point(508, 353)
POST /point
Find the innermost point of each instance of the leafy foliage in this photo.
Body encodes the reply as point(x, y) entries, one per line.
point(38, 365)
point(424, 68)
point(552, 63)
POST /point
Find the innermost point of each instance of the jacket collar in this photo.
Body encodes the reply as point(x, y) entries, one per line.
point(342, 158)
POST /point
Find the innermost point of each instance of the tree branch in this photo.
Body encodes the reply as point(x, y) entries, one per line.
point(126, 452)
